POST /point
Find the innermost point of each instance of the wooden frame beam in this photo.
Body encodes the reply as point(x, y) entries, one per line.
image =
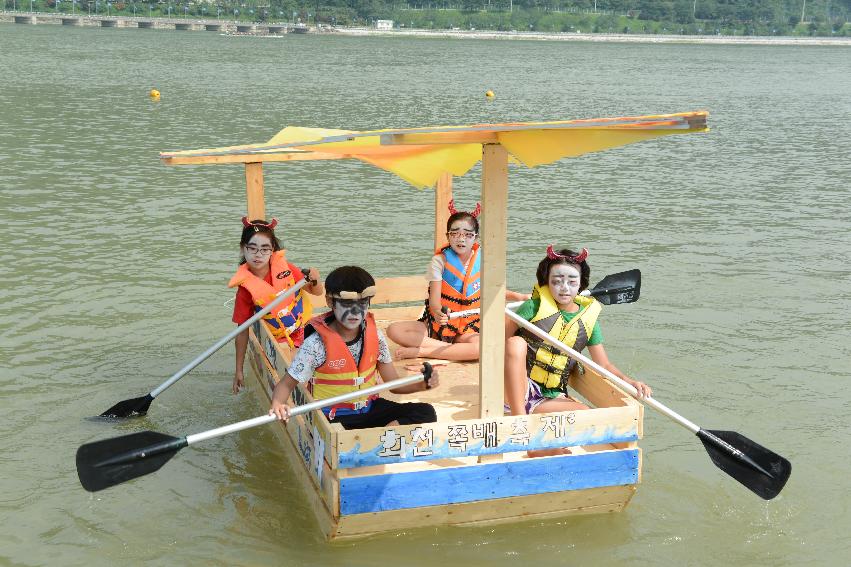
point(254, 191)
point(442, 196)
point(493, 241)
point(171, 159)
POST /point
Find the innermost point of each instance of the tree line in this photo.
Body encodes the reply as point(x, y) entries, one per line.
point(705, 17)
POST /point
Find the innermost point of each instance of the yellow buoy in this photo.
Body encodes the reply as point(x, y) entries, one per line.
point(154, 94)
point(489, 94)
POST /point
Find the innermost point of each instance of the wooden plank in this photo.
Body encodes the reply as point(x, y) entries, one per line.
point(442, 196)
point(293, 155)
point(493, 436)
point(398, 290)
point(599, 391)
point(388, 290)
point(435, 138)
point(254, 190)
point(534, 507)
point(394, 491)
point(300, 396)
point(494, 228)
point(279, 355)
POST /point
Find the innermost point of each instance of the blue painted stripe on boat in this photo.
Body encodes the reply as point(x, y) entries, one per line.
point(357, 457)
point(435, 487)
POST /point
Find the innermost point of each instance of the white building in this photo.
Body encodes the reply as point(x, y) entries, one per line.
point(384, 24)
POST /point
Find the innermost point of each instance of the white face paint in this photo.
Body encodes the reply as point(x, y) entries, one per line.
point(461, 236)
point(564, 283)
point(350, 313)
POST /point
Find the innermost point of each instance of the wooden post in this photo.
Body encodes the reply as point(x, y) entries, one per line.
point(442, 196)
point(493, 238)
point(254, 191)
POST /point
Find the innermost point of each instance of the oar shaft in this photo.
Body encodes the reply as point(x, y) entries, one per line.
point(658, 406)
point(227, 338)
point(466, 312)
point(302, 409)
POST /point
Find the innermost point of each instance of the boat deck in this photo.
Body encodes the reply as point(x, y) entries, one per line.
point(457, 397)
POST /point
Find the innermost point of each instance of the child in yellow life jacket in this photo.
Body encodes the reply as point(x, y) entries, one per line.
point(536, 373)
point(454, 285)
point(346, 353)
point(263, 274)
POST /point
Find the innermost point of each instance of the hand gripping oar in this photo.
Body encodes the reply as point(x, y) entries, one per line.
point(102, 464)
point(139, 406)
point(757, 468)
point(614, 289)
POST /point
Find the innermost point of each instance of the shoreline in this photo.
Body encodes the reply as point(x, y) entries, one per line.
point(276, 29)
point(603, 37)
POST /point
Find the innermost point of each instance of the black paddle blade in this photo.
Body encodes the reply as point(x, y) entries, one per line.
point(129, 408)
point(760, 470)
point(102, 464)
point(623, 287)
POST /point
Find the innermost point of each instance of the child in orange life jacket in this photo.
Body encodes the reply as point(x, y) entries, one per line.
point(454, 285)
point(346, 353)
point(536, 373)
point(264, 272)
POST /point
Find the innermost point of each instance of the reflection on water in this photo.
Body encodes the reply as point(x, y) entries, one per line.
point(116, 267)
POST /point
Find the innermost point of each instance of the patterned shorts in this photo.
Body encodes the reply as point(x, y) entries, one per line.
point(534, 396)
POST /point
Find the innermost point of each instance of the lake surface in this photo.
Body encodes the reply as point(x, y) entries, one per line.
point(114, 271)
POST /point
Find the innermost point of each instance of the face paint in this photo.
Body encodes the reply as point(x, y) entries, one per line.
point(563, 283)
point(351, 313)
point(461, 236)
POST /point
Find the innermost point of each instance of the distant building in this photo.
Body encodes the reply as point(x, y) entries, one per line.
point(384, 24)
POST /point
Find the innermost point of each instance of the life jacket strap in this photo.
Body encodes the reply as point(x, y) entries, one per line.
point(357, 381)
point(357, 406)
point(465, 302)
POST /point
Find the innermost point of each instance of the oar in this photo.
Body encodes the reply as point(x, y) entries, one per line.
point(757, 468)
point(105, 463)
point(139, 406)
point(623, 287)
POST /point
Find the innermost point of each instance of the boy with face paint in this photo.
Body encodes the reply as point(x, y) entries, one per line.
point(346, 352)
point(536, 373)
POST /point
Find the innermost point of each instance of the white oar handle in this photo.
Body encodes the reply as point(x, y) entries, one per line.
point(306, 408)
point(658, 406)
point(227, 338)
point(467, 312)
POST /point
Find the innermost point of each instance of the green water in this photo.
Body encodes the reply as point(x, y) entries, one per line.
point(114, 269)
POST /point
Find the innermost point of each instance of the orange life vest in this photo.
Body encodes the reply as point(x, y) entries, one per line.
point(289, 316)
point(460, 289)
point(339, 374)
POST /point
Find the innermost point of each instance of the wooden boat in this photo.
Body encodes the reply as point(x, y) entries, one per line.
point(471, 466)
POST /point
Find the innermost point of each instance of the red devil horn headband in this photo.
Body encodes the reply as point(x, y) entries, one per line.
point(474, 213)
point(271, 225)
point(573, 258)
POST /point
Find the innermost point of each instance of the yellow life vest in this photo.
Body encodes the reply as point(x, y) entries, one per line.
point(547, 365)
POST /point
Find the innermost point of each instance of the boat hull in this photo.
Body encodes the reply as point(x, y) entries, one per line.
point(457, 471)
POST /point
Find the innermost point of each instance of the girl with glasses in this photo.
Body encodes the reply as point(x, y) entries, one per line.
point(454, 285)
point(263, 274)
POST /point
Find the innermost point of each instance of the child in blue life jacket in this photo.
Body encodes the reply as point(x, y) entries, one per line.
point(454, 285)
point(536, 373)
point(344, 352)
point(263, 274)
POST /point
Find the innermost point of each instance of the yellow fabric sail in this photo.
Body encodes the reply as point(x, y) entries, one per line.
point(421, 155)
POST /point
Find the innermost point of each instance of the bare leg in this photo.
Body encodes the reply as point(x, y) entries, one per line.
point(412, 336)
point(554, 405)
point(515, 375)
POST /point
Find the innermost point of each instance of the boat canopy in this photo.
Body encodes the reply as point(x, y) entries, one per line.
point(421, 155)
